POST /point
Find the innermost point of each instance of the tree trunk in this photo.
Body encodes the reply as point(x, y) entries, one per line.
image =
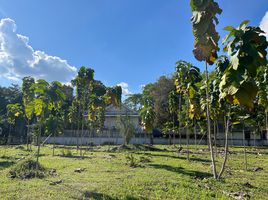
point(38, 144)
point(195, 135)
point(9, 135)
point(208, 126)
point(173, 131)
point(187, 135)
point(215, 138)
point(266, 124)
point(254, 135)
point(27, 137)
point(53, 144)
point(245, 151)
point(81, 134)
point(169, 138)
point(179, 125)
point(225, 148)
point(151, 139)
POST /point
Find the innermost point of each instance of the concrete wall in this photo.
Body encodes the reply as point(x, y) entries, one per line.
point(139, 140)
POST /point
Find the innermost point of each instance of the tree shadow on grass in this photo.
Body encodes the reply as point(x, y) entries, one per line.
point(181, 170)
point(99, 196)
point(6, 164)
point(175, 157)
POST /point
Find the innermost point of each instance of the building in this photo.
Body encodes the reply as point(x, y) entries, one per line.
point(112, 115)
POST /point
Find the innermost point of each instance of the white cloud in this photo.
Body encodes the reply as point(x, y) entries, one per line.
point(19, 59)
point(125, 90)
point(264, 24)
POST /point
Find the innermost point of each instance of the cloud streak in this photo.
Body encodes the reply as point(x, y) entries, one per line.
point(19, 59)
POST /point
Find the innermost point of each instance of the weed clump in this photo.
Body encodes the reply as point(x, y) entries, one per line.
point(27, 169)
point(132, 161)
point(66, 153)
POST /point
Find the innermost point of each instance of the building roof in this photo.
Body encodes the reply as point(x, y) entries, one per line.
point(117, 111)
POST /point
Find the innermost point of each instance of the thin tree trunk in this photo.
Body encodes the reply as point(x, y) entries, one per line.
point(151, 139)
point(244, 143)
point(81, 134)
point(254, 135)
point(53, 144)
point(9, 135)
point(38, 143)
point(195, 134)
point(27, 137)
point(215, 138)
point(179, 125)
point(266, 124)
point(208, 125)
point(169, 138)
point(187, 135)
point(173, 131)
point(225, 148)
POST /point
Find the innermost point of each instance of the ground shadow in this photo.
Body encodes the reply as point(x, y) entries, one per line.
point(181, 170)
point(175, 157)
point(99, 196)
point(6, 164)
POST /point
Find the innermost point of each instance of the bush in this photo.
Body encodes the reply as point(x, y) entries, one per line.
point(27, 169)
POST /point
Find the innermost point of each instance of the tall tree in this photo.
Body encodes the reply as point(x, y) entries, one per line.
point(28, 101)
point(41, 102)
point(206, 47)
point(186, 78)
point(84, 85)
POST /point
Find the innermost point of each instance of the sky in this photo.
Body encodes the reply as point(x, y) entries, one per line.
point(126, 42)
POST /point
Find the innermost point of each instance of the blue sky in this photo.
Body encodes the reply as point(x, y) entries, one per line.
point(124, 41)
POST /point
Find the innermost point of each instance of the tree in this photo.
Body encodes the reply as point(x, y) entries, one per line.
point(126, 128)
point(41, 102)
point(84, 85)
point(28, 101)
point(206, 46)
point(134, 101)
point(186, 78)
point(13, 112)
point(147, 117)
point(174, 105)
point(54, 123)
point(247, 50)
point(262, 83)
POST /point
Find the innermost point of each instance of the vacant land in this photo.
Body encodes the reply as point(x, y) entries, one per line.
point(136, 172)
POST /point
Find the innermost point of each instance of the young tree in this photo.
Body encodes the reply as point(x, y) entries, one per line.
point(84, 85)
point(186, 78)
point(54, 123)
point(13, 112)
point(246, 47)
point(28, 101)
point(206, 48)
point(126, 127)
point(41, 102)
point(174, 105)
point(147, 117)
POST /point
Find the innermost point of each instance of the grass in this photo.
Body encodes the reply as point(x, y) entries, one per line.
point(136, 172)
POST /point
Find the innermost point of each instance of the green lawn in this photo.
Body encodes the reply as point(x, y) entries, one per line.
point(160, 174)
